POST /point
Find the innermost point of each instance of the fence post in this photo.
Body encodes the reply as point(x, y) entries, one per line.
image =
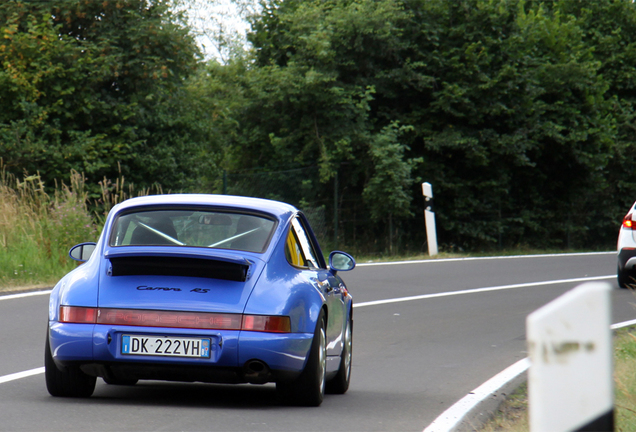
point(570, 385)
point(335, 211)
point(429, 219)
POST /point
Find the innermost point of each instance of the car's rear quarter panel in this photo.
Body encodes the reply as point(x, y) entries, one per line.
point(285, 290)
point(77, 288)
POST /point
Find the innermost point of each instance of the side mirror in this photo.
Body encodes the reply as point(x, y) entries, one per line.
point(82, 252)
point(341, 261)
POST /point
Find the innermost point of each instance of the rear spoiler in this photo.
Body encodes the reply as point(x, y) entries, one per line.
point(135, 261)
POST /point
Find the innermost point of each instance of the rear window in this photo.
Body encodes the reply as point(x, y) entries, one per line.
point(200, 228)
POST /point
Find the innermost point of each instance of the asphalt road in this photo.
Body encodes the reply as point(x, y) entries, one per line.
point(412, 359)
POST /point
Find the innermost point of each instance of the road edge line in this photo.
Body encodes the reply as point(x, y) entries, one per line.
point(450, 419)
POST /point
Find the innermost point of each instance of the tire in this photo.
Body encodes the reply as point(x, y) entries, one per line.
point(624, 279)
point(309, 388)
point(340, 383)
point(70, 382)
point(121, 382)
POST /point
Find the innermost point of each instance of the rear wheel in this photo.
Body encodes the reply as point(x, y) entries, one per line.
point(340, 383)
point(70, 382)
point(309, 388)
point(624, 279)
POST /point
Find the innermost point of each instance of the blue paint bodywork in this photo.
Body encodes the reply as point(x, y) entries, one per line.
point(273, 287)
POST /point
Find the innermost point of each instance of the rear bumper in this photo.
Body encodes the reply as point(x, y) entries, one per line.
point(183, 373)
point(97, 349)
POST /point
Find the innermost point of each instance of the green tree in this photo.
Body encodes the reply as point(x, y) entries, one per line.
point(296, 102)
point(502, 101)
point(512, 110)
point(99, 87)
point(609, 26)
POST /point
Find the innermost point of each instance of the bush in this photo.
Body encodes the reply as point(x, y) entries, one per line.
point(37, 229)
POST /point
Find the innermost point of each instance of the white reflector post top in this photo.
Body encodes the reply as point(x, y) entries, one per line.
point(570, 378)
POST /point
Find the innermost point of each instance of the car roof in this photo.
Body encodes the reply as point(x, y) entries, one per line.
point(275, 208)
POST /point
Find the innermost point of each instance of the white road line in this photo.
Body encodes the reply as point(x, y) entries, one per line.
point(623, 324)
point(450, 418)
point(18, 375)
point(21, 295)
point(31, 372)
point(480, 290)
point(443, 260)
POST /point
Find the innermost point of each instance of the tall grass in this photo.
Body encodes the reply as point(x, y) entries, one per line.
point(114, 192)
point(625, 380)
point(37, 228)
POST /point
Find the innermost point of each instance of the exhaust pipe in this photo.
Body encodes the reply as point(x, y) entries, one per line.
point(256, 372)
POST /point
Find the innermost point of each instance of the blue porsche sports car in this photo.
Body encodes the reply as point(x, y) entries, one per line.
point(208, 288)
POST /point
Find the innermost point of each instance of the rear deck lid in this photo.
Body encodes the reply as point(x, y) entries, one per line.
point(144, 278)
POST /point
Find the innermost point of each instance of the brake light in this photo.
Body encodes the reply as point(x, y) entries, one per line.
point(80, 315)
point(275, 324)
point(175, 319)
point(628, 222)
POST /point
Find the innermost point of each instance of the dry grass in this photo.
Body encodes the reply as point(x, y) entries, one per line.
point(37, 228)
point(114, 192)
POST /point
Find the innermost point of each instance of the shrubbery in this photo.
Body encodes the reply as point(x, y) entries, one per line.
point(37, 228)
point(519, 113)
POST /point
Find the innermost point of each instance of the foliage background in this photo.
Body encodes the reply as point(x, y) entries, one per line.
point(520, 113)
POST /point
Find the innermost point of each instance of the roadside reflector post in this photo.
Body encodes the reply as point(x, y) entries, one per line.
point(429, 218)
point(570, 385)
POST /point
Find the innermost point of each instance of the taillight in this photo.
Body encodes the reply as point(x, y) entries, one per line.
point(263, 323)
point(80, 315)
point(148, 318)
point(628, 222)
point(175, 319)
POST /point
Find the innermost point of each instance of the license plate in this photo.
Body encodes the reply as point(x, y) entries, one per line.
point(165, 346)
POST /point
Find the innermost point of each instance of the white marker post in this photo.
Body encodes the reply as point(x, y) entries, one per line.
point(429, 219)
point(570, 384)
